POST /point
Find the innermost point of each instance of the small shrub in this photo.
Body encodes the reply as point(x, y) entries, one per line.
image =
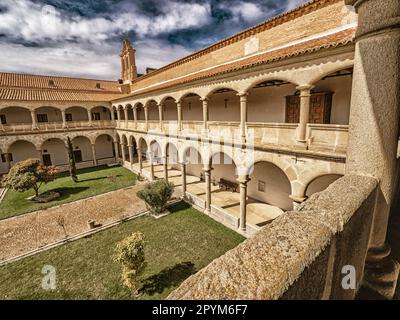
point(130, 254)
point(29, 174)
point(156, 195)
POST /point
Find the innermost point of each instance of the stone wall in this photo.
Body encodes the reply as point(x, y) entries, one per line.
point(300, 255)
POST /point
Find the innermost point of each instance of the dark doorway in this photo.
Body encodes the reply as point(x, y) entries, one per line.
point(78, 156)
point(47, 160)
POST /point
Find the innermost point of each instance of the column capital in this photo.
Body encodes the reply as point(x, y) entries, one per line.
point(298, 199)
point(204, 99)
point(207, 169)
point(305, 87)
point(243, 180)
point(179, 103)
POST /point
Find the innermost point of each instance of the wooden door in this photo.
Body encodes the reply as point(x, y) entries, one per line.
point(292, 109)
point(47, 160)
point(78, 156)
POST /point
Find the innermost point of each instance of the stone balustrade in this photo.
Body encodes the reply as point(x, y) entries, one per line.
point(300, 255)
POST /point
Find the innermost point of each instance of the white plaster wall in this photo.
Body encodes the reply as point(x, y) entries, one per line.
point(53, 114)
point(195, 113)
point(78, 114)
point(277, 186)
point(341, 88)
point(104, 147)
point(268, 104)
point(16, 115)
point(321, 183)
point(217, 110)
point(83, 144)
point(57, 151)
point(22, 150)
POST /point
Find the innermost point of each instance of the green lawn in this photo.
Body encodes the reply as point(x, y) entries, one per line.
point(92, 181)
point(177, 246)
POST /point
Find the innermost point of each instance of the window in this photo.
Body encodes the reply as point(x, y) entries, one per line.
point(98, 86)
point(3, 119)
point(68, 117)
point(4, 159)
point(51, 83)
point(42, 118)
point(96, 116)
point(261, 186)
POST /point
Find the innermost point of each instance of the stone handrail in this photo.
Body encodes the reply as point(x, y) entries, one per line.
point(300, 255)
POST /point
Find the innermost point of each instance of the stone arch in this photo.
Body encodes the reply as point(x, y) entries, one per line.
point(22, 149)
point(171, 153)
point(320, 183)
point(53, 114)
point(83, 144)
point(271, 77)
point(17, 115)
point(156, 149)
point(188, 93)
point(218, 88)
point(80, 114)
point(55, 151)
point(328, 69)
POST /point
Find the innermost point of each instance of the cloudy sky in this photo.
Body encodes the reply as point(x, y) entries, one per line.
point(83, 38)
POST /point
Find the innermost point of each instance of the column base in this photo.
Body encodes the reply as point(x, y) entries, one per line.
point(302, 144)
point(381, 272)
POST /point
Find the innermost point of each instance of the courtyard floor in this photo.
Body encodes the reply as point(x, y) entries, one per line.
point(27, 232)
point(177, 245)
point(92, 181)
point(258, 213)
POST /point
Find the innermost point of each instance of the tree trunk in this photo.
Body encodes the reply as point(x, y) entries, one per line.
point(71, 157)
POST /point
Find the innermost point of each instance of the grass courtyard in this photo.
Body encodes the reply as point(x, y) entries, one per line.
point(177, 246)
point(92, 181)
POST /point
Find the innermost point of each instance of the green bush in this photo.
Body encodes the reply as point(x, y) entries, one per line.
point(130, 254)
point(156, 195)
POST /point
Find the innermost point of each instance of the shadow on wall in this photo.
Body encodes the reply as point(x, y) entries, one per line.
point(167, 278)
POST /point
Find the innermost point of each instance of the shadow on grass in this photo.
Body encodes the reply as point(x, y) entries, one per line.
point(67, 191)
point(169, 277)
point(179, 207)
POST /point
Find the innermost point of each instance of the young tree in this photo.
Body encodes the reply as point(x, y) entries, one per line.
point(29, 174)
point(156, 195)
point(130, 254)
point(71, 157)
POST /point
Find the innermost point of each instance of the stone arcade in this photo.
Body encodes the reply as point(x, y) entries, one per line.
point(247, 129)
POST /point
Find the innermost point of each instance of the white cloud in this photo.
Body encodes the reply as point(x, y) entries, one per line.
point(248, 11)
point(291, 4)
point(24, 19)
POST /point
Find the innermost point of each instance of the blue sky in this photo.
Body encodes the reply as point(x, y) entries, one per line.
point(83, 38)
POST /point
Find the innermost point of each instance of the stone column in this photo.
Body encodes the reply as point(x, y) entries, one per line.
point(123, 153)
point(116, 151)
point(243, 180)
point(89, 113)
point(297, 200)
point(34, 122)
point(140, 161)
point(64, 119)
point(374, 126)
point(118, 116)
point(243, 115)
point(130, 154)
point(94, 154)
point(305, 95)
point(8, 161)
point(165, 164)
point(135, 118)
point(183, 175)
point(179, 110)
point(146, 117)
point(160, 115)
point(205, 113)
point(39, 153)
point(112, 114)
point(126, 115)
point(150, 156)
point(207, 174)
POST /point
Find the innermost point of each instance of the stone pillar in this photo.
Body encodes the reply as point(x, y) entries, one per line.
point(116, 151)
point(297, 201)
point(374, 126)
point(207, 175)
point(146, 117)
point(123, 153)
point(305, 95)
point(112, 114)
point(130, 154)
point(140, 160)
point(118, 116)
point(179, 110)
point(160, 115)
point(205, 113)
point(243, 115)
point(64, 119)
point(8, 161)
point(183, 175)
point(243, 180)
point(150, 156)
point(34, 122)
point(135, 118)
point(39, 153)
point(126, 115)
point(94, 154)
point(165, 164)
point(89, 113)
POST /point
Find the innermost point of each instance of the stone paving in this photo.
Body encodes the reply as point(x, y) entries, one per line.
point(27, 232)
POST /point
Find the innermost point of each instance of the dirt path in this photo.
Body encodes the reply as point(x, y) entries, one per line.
point(31, 231)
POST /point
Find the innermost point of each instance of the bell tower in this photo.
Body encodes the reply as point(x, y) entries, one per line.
point(128, 62)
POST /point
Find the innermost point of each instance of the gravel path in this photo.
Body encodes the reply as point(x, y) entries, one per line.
point(33, 230)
